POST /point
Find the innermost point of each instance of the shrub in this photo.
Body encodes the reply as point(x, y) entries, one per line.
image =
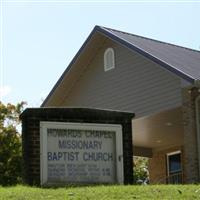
point(140, 170)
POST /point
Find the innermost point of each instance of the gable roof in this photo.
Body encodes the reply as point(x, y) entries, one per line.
point(182, 61)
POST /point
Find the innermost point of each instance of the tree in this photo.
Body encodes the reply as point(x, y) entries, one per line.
point(10, 144)
point(140, 170)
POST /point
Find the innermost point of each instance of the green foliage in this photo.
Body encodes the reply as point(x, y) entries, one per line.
point(10, 144)
point(140, 170)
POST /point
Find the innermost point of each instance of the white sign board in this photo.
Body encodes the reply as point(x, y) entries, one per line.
point(80, 153)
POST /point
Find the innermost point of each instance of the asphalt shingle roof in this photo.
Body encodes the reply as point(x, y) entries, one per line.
point(183, 60)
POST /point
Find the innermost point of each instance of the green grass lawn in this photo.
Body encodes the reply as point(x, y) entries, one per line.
point(171, 192)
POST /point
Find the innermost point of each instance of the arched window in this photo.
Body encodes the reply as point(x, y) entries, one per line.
point(109, 59)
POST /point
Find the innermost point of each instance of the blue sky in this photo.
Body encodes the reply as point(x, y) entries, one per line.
point(40, 39)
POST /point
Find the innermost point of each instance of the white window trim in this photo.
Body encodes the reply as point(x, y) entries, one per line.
point(106, 67)
point(171, 154)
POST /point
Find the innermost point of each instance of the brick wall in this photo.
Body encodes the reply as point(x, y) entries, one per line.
point(31, 135)
point(158, 165)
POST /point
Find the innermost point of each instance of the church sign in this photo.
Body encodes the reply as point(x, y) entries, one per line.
point(80, 153)
point(64, 146)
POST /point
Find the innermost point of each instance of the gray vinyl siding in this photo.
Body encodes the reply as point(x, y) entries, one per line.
point(136, 84)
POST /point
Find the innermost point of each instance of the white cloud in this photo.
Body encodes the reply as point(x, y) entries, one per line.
point(5, 90)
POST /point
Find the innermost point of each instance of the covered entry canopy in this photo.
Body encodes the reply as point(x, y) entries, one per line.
point(156, 132)
point(160, 137)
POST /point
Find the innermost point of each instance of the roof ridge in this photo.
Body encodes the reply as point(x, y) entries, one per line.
point(190, 49)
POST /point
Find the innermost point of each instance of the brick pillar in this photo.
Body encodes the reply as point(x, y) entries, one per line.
point(191, 168)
